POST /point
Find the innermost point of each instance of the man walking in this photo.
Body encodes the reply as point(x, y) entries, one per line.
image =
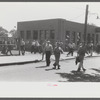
point(81, 53)
point(91, 48)
point(9, 48)
point(48, 52)
point(22, 47)
point(43, 49)
point(32, 46)
point(4, 47)
point(71, 49)
point(57, 51)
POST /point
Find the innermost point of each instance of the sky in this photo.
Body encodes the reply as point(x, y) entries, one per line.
point(13, 12)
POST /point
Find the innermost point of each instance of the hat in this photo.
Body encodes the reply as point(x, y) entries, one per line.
point(48, 41)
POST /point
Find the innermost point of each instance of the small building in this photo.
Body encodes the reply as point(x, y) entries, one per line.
point(56, 30)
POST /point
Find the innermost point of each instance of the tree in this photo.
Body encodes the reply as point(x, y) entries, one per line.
point(13, 32)
point(3, 32)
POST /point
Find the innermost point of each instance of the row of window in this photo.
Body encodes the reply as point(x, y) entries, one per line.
point(50, 34)
point(79, 36)
point(72, 36)
point(38, 34)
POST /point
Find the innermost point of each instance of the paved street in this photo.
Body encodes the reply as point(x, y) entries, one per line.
point(38, 72)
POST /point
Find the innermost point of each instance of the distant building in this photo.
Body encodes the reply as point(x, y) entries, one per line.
point(56, 30)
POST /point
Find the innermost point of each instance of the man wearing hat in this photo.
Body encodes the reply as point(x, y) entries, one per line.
point(48, 52)
point(57, 51)
point(81, 53)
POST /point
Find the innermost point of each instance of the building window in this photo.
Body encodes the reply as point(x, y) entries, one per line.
point(52, 34)
point(73, 37)
point(97, 38)
point(93, 38)
point(35, 34)
point(28, 34)
point(41, 35)
point(67, 36)
point(47, 35)
point(88, 38)
point(22, 34)
point(78, 38)
point(83, 36)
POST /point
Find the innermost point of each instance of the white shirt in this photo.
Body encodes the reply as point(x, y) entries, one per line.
point(48, 47)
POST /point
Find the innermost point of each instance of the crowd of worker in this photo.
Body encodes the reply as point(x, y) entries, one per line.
point(6, 47)
point(47, 49)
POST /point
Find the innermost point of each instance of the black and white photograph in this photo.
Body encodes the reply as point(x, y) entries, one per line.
point(49, 42)
point(50, 50)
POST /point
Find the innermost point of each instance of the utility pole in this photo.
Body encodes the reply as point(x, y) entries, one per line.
point(85, 25)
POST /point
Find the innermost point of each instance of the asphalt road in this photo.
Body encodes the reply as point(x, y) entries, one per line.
point(38, 72)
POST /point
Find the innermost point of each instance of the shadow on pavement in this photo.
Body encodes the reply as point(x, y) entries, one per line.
point(41, 67)
point(75, 76)
point(97, 70)
point(49, 69)
point(10, 55)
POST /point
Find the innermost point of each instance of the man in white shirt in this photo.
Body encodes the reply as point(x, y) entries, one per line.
point(57, 51)
point(23, 47)
point(32, 46)
point(48, 52)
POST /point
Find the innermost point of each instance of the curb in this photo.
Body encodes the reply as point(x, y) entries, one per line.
point(19, 63)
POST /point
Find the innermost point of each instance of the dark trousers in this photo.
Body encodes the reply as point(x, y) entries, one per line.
point(81, 57)
point(9, 50)
point(48, 54)
point(35, 49)
point(23, 50)
point(70, 51)
point(57, 58)
point(4, 50)
point(32, 49)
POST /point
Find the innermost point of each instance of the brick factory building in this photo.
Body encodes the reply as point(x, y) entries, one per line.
point(56, 30)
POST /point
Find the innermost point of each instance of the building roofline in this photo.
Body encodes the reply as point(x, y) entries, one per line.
point(55, 19)
point(43, 20)
point(81, 23)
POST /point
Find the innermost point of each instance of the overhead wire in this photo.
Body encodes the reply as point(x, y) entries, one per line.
point(77, 16)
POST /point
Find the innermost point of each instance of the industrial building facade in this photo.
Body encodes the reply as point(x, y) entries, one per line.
point(56, 30)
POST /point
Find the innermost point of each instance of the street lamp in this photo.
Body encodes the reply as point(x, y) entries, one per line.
point(97, 17)
point(94, 14)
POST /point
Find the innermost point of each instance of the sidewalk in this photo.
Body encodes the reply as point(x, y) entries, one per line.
point(33, 58)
